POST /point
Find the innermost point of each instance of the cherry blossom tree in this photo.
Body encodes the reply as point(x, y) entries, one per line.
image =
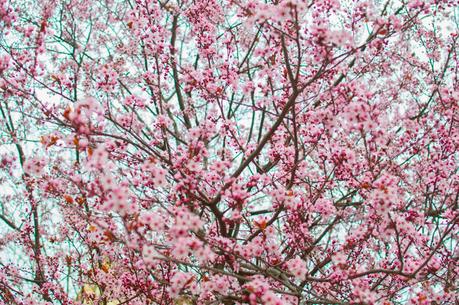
point(229, 152)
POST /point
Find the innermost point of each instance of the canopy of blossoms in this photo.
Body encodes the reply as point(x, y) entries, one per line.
point(229, 152)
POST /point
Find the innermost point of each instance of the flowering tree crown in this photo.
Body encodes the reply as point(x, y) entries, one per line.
point(229, 152)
